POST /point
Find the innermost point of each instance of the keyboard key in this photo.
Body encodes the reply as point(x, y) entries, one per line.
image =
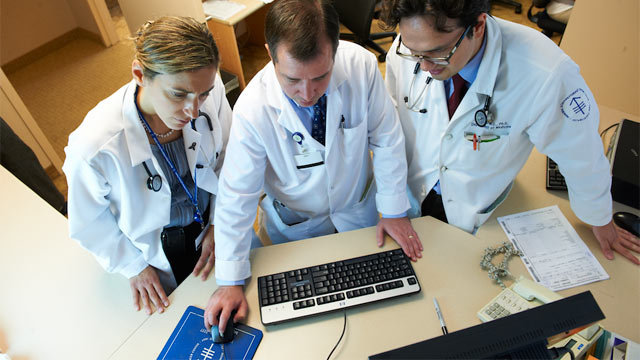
point(320, 273)
point(322, 290)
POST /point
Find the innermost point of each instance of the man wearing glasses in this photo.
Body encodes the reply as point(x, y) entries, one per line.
point(474, 95)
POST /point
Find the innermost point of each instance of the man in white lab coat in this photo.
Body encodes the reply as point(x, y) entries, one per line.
point(302, 131)
point(488, 91)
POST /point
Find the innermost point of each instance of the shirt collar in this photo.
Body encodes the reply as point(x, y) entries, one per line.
point(470, 71)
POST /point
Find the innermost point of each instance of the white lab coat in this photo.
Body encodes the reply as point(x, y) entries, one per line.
point(538, 98)
point(112, 213)
point(261, 156)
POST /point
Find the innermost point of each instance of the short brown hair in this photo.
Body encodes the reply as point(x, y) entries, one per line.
point(172, 44)
point(301, 24)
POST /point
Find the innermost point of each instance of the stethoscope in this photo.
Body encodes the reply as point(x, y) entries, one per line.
point(423, 92)
point(482, 117)
point(154, 182)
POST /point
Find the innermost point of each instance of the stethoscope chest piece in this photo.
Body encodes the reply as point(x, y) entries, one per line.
point(484, 116)
point(154, 182)
point(481, 118)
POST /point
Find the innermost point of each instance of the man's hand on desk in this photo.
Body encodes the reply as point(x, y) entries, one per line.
point(614, 238)
point(207, 257)
point(223, 301)
point(402, 232)
point(146, 286)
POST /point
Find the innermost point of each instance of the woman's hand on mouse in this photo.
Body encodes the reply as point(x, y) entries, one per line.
point(611, 237)
point(223, 301)
point(146, 287)
point(207, 257)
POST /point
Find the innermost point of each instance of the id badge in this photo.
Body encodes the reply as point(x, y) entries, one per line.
point(308, 159)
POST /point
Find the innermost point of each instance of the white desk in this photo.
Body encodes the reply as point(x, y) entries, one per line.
point(449, 271)
point(619, 297)
point(56, 302)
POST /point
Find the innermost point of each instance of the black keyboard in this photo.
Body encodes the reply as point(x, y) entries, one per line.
point(555, 180)
point(338, 285)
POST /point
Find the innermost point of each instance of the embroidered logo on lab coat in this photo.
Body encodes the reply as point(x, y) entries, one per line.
point(576, 106)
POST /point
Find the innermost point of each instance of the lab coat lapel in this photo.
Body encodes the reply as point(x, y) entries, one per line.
point(334, 108)
point(192, 146)
point(135, 134)
point(487, 73)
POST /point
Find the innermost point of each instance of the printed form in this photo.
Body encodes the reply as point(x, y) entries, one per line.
point(554, 254)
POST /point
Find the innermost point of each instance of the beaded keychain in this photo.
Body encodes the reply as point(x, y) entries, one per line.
point(497, 272)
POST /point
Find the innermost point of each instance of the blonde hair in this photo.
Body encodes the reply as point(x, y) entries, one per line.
point(172, 44)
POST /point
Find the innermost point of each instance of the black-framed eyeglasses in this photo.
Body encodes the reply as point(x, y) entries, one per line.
point(434, 60)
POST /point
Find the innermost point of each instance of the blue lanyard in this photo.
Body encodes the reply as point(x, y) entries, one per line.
point(197, 216)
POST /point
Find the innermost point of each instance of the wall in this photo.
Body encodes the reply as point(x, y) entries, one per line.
point(15, 113)
point(603, 37)
point(28, 24)
point(137, 12)
point(83, 16)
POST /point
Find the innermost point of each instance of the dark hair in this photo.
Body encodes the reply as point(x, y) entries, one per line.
point(301, 24)
point(465, 11)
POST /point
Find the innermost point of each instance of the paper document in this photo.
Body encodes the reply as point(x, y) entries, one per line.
point(554, 254)
point(222, 9)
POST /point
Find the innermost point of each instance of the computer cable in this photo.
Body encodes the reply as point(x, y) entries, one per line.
point(607, 129)
point(344, 326)
point(610, 147)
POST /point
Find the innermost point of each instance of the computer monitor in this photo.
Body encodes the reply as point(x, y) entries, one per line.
point(522, 335)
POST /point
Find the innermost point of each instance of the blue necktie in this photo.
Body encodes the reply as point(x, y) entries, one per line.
point(318, 124)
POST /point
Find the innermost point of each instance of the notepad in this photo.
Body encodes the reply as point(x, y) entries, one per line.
point(191, 340)
point(554, 254)
point(222, 9)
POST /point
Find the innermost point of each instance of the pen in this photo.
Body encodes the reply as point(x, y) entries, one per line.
point(442, 324)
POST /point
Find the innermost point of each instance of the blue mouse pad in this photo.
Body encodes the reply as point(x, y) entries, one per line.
point(191, 340)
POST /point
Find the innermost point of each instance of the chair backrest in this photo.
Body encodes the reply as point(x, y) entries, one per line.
point(356, 15)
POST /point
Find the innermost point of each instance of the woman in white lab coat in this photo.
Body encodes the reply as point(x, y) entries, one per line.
point(143, 166)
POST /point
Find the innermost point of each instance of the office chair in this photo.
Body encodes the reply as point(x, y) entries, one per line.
point(546, 23)
point(357, 15)
point(518, 6)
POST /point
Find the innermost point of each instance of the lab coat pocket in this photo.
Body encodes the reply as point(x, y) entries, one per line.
point(483, 215)
point(283, 226)
point(364, 213)
point(354, 142)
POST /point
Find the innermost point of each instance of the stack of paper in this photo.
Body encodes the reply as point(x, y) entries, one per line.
point(222, 9)
point(554, 254)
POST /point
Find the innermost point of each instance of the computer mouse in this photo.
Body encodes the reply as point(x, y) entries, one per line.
point(628, 221)
point(228, 333)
